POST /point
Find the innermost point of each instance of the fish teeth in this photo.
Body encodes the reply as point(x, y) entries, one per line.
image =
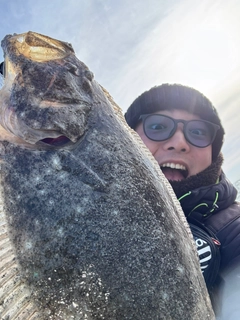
point(174, 166)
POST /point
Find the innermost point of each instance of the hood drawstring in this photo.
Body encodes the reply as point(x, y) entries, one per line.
point(209, 212)
point(215, 206)
point(185, 195)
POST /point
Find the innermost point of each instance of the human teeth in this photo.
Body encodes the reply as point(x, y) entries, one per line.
point(174, 166)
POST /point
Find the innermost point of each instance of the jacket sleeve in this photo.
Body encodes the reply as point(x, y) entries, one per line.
point(226, 225)
point(230, 302)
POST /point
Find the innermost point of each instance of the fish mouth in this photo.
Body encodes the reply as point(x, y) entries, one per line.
point(33, 136)
point(56, 142)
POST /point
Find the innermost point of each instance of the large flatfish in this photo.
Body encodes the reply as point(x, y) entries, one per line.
point(89, 227)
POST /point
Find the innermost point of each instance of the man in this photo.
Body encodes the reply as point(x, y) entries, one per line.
point(183, 131)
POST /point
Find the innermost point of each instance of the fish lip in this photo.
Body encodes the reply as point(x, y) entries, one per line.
point(172, 163)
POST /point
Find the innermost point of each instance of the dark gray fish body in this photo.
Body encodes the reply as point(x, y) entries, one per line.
point(88, 227)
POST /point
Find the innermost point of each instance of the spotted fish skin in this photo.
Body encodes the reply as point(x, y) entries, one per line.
point(89, 227)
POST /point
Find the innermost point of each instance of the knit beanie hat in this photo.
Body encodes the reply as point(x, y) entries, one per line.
point(176, 96)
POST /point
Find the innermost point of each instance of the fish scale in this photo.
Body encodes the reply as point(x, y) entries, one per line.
point(89, 229)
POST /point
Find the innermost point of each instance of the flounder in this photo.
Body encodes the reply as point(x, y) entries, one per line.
point(89, 226)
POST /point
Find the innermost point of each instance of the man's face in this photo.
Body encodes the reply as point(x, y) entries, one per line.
point(178, 158)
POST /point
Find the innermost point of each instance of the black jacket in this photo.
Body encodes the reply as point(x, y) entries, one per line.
point(215, 207)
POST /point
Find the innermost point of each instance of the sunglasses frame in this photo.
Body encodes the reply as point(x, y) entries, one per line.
point(215, 127)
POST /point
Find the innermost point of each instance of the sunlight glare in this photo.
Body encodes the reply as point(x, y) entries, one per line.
point(206, 57)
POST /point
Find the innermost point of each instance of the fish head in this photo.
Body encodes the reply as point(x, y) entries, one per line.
point(47, 91)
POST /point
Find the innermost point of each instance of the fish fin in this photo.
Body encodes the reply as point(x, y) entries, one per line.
point(15, 297)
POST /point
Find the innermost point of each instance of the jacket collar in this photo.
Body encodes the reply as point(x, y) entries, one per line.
point(205, 201)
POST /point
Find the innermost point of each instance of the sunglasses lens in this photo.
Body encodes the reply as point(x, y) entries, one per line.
point(158, 127)
point(2, 68)
point(200, 133)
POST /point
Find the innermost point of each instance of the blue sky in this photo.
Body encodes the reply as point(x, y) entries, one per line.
point(134, 45)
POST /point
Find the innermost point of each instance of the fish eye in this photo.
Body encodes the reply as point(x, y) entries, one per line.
point(89, 75)
point(72, 68)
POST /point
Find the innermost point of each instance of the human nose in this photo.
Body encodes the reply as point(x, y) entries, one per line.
point(177, 142)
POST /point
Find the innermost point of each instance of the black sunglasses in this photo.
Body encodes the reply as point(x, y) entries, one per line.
point(199, 133)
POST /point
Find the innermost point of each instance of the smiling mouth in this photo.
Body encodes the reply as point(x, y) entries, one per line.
point(174, 171)
point(59, 141)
